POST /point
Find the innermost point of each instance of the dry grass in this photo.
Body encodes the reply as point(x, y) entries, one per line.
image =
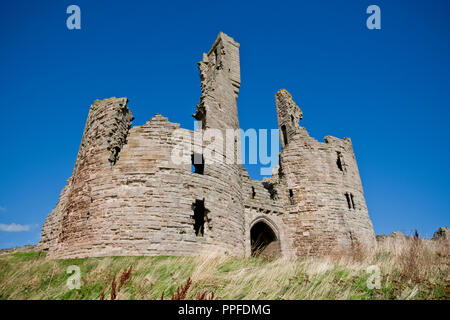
point(409, 269)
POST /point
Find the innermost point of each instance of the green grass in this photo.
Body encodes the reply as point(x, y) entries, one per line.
point(30, 275)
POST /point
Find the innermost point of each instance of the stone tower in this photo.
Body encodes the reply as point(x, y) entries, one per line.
point(327, 206)
point(75, 222)
point(220, 81)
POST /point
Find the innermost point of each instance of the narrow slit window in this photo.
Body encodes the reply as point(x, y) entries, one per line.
point(339, 161)
point(253, 193)
point(291, 196)
point(347, 196)
point(198, 163)
point(284, 132)
point(199, 217)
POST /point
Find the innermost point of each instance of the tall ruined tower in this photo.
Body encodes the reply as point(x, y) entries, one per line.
point(217, 109)
point(78, 220)
point(327, 208)
point(220, 81)
point(289, 115)
point(103, 138)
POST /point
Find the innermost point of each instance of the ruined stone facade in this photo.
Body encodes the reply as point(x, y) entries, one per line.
point(127, 196)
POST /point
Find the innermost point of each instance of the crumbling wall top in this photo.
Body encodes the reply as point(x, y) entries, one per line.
point(223, 37)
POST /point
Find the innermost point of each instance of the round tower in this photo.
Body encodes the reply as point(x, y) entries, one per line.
point(104, 135)
point(327, 207)
point(217, 110)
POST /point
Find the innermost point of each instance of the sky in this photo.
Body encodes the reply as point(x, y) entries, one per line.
point(387, 89)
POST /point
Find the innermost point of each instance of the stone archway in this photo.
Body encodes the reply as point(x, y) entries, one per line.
point(264, 241)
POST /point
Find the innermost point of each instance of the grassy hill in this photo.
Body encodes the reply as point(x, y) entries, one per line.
point(412, 269)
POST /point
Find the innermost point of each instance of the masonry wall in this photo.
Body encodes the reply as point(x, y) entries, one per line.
point(142, 205)
point(261, 206)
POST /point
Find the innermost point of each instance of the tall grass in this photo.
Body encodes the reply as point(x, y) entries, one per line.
point(409, 269)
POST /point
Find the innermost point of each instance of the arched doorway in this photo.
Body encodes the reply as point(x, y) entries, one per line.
point(264, 241)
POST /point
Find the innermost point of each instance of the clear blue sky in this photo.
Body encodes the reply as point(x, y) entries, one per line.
point(388, 89)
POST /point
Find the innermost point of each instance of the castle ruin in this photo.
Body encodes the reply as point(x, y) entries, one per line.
point(126, 197)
